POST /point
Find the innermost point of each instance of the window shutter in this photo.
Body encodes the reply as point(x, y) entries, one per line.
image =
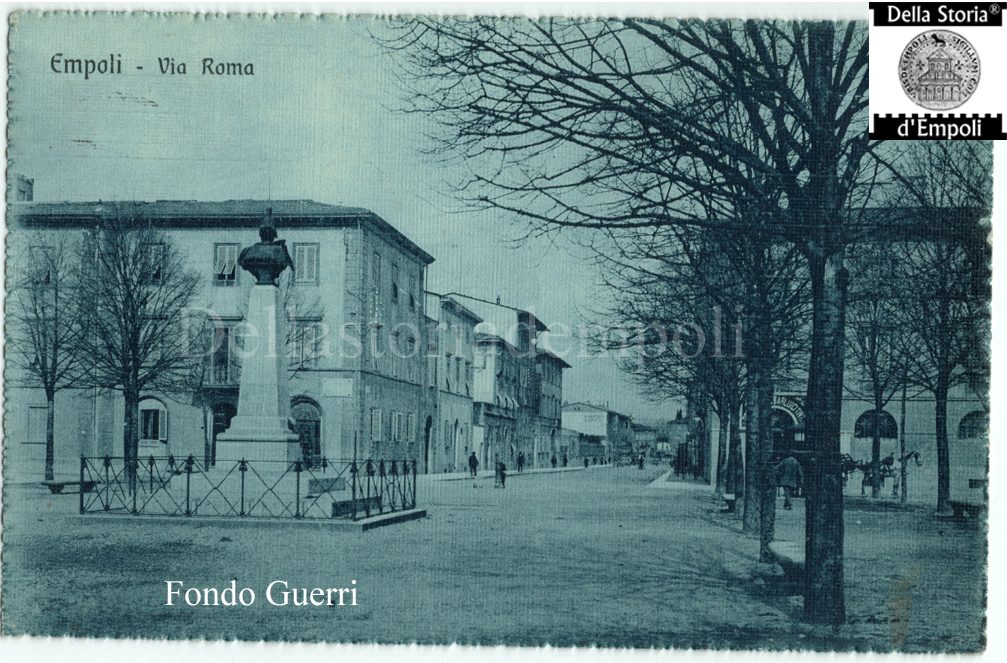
point(162, 424)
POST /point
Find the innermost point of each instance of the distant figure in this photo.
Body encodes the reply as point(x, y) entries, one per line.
point(473, 464)
point(586, 462)
point(789, 475)
point(640, 461)
point(565, 460)
point(502, 474)
point(520, 462)
point(554, 461)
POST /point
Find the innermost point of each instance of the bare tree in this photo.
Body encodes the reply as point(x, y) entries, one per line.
point(44, 324)
point(631, 107)
point(945, 308)
point(876, 341)
point(135, 291)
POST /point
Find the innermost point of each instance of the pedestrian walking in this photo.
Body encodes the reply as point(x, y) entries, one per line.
point(790, 475)
point(554, 461)
point(520, 461)
point(473, 464)
point(565, 460)
point(640, 461)
point(502, 475)
point(586, 462)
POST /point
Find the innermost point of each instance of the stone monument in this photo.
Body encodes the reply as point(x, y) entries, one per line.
point(260, 430)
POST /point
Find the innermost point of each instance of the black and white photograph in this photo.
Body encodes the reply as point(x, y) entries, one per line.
point(533, 329)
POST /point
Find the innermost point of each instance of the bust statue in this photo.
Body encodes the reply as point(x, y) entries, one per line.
point(267, 258)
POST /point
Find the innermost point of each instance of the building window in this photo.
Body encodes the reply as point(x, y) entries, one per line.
point(41, 259)
point(864, 426)
point(220, 357)
point(225, 264)
point(37, 415)
point(375, 424)
point(376, 271)
point(412, 292)
point(974, 425)
point(303, 345)
point(395, 283)
point(306, 263)
point(155, 262)
point(153, 421)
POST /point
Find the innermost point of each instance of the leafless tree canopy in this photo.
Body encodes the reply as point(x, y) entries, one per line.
point(622, 123)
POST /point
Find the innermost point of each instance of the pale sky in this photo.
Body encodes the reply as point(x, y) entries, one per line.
point(313, 122)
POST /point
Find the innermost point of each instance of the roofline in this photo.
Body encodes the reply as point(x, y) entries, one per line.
point(600, 409)
point(460, 310)
point(546, 353)
point(22, 213)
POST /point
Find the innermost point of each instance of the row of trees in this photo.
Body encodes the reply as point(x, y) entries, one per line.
point(727, 160)
point(114, 309)
point(107, 309)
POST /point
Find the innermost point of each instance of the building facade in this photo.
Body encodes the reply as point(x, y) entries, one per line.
point(600, 425)
point(452, 380)
point(355, 310)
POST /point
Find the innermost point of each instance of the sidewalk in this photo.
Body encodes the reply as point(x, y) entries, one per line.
point(665, 482)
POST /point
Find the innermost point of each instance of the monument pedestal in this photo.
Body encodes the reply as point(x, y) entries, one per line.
point(260, 430)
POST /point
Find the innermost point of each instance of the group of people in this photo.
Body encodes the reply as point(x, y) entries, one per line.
point(501, 469)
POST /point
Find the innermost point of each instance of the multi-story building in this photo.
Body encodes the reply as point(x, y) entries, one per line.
point(519, 388)
point(495, 408)
point(613, 430)
point(452, 379)
point(355, 303)
point(645, 439)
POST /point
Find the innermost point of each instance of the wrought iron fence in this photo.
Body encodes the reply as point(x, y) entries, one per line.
point(169, 486)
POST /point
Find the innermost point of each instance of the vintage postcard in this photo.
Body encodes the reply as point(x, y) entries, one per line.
point(498, 330)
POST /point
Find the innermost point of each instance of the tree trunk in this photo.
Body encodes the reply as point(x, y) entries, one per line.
point(876, 449)
point(766, 486)
point(903, 474)
point(736, 471)
point(750, 514)
point(824, 599)
point(130, 436)
point(943, 460)
point(50, 435)
point(722, 468)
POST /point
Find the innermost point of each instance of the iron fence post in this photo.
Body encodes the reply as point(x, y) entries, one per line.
point(242, 468)
point(353, 485)
point(105, 502)
point(397, 491)
point(370, 481)
point(132, 469)
point(188, 478)
point(414, 484)
point(297, 491)
point(83, 464)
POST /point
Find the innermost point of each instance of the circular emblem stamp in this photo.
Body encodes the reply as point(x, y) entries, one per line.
point(939, 69)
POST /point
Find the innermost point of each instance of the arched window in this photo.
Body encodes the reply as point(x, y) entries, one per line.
point(153, 422)
point(307, 418)
point(974, 425)
point(864, 427)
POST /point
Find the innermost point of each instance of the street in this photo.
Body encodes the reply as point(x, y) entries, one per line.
point(592, 557)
